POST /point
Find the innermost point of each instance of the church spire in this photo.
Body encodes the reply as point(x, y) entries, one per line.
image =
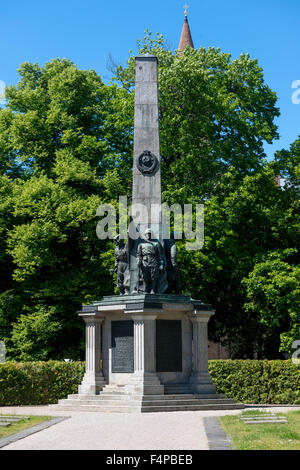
point(186, 37)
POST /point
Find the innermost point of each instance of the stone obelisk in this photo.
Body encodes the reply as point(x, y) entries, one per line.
point(146, 186)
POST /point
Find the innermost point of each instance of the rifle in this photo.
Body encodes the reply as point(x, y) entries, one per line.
point(138, 281)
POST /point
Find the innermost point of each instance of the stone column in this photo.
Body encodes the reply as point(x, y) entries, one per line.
point(139, 344)
point(144, 380)
point(93, 381)
point(200, 380)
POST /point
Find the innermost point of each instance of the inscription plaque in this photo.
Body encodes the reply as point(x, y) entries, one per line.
point(122, 346)
point(168, 346)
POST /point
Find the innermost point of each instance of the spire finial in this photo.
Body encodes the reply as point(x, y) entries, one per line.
point(186, 37)
point(186, 9)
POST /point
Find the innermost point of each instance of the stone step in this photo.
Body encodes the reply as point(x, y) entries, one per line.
point(171, 389)
point(116, 390)
point(106, 396)
point(127, 396)
point(145, 398)
point(174, 388)
point(144, 409)
point(109, 396)
point(146, 403)
point(96, 408)
point(114, 387)
point(184, 396)
point(224, 406)
point(99, 402)
point(115, 396)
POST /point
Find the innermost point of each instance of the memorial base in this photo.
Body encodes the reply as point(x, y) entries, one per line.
point(153, 351)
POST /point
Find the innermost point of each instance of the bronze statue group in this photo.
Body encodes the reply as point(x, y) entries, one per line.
point(155, 262)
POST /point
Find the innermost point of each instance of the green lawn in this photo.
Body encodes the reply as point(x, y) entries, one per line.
point(21, 425)
point(263, 436)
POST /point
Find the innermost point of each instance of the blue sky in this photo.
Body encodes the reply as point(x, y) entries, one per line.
point(88, 32)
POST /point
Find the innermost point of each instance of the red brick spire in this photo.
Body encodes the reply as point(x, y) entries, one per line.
point(186, 37)
point(277, 181)
point(277, 177)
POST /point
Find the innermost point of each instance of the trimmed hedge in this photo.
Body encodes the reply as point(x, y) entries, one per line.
point(38, 383)
point(246, 381)
point(257, 381)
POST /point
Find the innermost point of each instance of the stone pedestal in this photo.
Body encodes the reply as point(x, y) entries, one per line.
point(154, 357)
point(132, 359)
point(93, 381)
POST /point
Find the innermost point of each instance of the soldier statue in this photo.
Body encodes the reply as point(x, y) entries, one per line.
point(151, 262)
point(172, 266)
point(122, 265)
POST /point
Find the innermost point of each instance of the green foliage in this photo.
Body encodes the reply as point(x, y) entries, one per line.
point(273, 290)
point(38, 383)
point(244, 224)
point(60, 138)
point(250, 381)
point(253, 381)
point(32, 333)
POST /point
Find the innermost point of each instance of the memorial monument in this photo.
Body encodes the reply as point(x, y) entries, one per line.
point(146, 349)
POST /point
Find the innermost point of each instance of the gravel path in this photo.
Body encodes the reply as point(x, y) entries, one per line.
point(119, 431)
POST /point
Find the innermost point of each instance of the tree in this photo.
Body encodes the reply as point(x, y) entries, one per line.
point(215, 114)
point(255, 220)
point(273, 292)
point(61, 139)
